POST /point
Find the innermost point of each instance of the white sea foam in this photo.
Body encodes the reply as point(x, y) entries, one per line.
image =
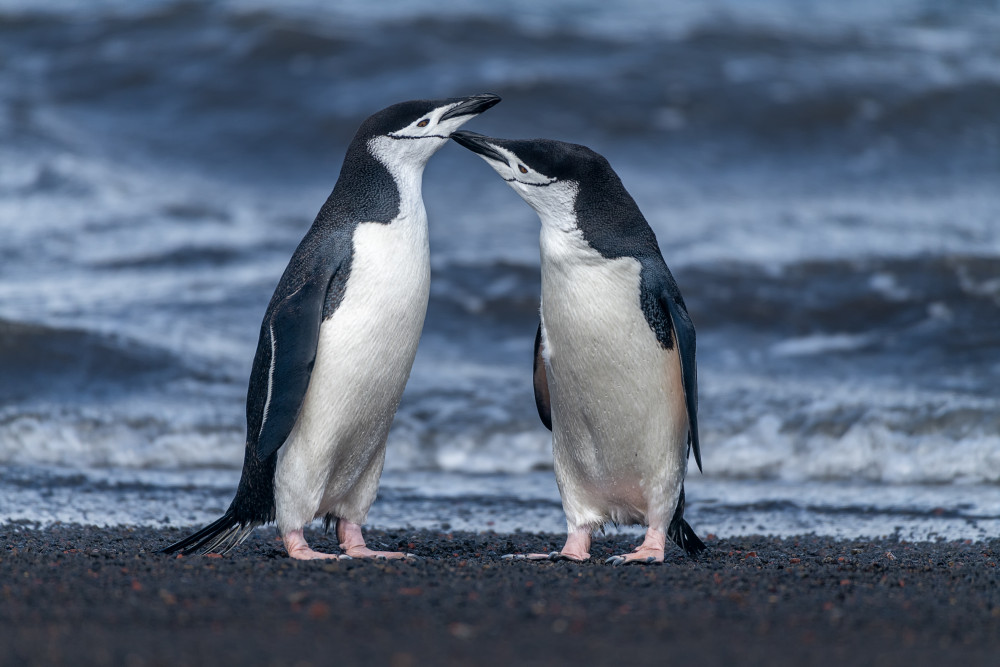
point(820, 343)
point(111, 439)
point(869, 452)
point(768, 447)
point(520, 502)
point(800, 430)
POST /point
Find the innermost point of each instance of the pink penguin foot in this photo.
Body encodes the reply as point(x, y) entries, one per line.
point(577, 549)
point(554, 555)
point(640, 555)
point(299, 549)
point(353, 543)
point(365, 552)
point(650, 551)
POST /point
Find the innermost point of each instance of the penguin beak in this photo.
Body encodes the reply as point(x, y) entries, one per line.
point(477, 144)
point(472, 106)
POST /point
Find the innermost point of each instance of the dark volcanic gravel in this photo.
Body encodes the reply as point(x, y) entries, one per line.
point(83, 595)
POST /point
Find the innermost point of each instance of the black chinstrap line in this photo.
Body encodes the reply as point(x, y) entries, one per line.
point(411, 136)
point(534, 185)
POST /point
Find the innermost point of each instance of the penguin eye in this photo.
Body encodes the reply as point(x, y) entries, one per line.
point(423, 123)
point(522, 169)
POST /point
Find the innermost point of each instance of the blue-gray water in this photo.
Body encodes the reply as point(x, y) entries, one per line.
point(822, 178)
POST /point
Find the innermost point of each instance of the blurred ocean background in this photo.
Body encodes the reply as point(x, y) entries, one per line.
point(823, 178)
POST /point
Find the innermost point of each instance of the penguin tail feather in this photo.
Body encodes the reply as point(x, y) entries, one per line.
point(684, 536)
point(221, 536)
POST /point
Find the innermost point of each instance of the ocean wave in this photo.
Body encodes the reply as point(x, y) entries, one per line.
point(767, 427)
point(228, 81)
point(879, 368)
point(127, 437)
point(61, 364)
point(865, 452)
point(934, 309)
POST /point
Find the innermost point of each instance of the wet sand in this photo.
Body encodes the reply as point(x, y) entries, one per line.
point(83, 595)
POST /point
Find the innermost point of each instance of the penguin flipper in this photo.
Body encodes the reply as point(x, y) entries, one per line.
point(541, 382)
point(684, 337)
point(286, 351)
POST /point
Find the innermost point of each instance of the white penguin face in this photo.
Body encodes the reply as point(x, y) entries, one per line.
point(411, 132)
point(552, 198)
point(436, 125)
point(515, 171)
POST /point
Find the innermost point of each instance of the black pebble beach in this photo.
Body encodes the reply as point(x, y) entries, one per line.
point(89, 596)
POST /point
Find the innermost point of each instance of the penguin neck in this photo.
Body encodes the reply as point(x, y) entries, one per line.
point(554, 204)
point(405, 161)
point(365, 192)
point(563, 245)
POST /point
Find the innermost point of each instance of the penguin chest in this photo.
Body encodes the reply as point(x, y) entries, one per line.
point(363, 359)
point(366, 348)
point(618, 415)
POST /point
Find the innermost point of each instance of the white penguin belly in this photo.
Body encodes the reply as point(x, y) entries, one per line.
point(619, 423)
point(332, 460)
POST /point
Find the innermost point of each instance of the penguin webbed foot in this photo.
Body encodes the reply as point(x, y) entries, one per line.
point(365, 552)
point(353, 544)
point(309, 554)
point(649, 552)
point(552, 556)
point(299, 549)
point(576, 549)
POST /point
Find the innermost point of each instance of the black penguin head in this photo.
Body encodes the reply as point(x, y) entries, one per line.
point(410, 132)
point(572, 188)
point(547, 174)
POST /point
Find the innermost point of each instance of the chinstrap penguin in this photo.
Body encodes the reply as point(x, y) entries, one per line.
point(614, 369)
point(338, 340)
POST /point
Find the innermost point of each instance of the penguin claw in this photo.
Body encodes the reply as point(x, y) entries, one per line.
point(622, 560)
point(345, 557)
point(552, 556)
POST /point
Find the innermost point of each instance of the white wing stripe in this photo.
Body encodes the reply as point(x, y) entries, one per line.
point(270, 371)
point(270, 379)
